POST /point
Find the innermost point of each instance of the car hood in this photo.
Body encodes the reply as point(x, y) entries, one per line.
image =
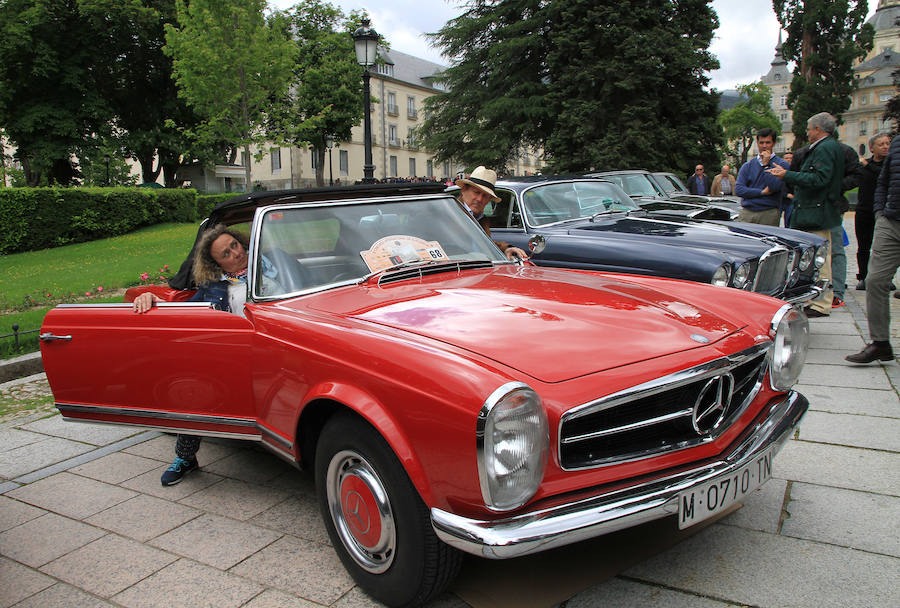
point(668, 230)
point(553, 325)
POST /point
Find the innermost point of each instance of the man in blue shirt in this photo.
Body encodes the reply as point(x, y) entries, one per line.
point(760, 192)
point(698, 183)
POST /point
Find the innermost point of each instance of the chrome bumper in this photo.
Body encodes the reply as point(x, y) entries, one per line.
point(807, 296)
point(586, 518)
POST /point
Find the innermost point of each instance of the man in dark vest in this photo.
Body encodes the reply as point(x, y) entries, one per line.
point(817, 194)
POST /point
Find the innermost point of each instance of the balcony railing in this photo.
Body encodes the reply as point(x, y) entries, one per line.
point(393, 110)
point(411, 113)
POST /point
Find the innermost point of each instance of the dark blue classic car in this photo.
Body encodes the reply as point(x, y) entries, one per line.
point(581, 222)
point(662, 193)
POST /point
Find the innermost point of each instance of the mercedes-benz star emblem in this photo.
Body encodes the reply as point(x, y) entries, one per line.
point(712, 404)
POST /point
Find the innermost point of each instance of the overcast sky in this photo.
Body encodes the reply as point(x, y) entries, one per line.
point(744, 43)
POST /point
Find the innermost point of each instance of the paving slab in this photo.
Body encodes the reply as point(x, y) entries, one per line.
point(839, 326)
point(71, 495)
point(759, 569)
point(621, 593)
point(841, 400)
point(762, 508)
point(28, 582)
point(116, 467)
point(252, 466)
point(14, 512)
point(12, 438)
point(143, 517)
point(149, 483)
point(235, 499)
point(272, 598)
point(852, 376)
point(85, 432)
point(62, 595)
point(298, 516)
point(826, 356)
point(871, 432)
point(861, 520)
point(108, 565)
point(59, 536)
point(187, 583)
point(318, 577)
point(849, 343)
point(37, 455)
point(217, 541)
point(162, 448)
point(839, 467)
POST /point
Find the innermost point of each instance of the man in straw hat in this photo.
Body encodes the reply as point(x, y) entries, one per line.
point(475, 192)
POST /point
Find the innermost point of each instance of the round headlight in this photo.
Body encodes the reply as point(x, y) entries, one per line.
point(806, 259)
point(821, 254)
point(722, 276)
point(513, 441)
point(742, 275)
point(790, 341)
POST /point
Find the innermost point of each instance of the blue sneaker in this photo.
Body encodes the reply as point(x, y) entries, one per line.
point(177, 470)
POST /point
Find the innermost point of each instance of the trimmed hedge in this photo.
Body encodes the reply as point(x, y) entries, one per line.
point(206, 202)
point(39, 218)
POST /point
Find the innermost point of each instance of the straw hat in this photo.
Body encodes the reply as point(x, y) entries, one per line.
point(483, 179)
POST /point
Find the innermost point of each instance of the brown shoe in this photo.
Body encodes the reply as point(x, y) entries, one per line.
point(871, 353)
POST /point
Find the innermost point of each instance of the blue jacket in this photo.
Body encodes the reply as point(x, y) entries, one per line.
point(752, 179)
point(887, 187)
point(217, 293)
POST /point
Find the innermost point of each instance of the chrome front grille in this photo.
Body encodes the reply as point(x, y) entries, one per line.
point(772, 273)
point(660, 416)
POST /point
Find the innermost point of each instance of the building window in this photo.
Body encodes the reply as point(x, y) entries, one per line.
point(429, 168)
point(393, 140)
point(393, 160)
point(244, 162)
point(344, 161)
point(864, 100)
point(884, 97)
point(314, 158)
point(411, 139)
point(275, 153)
point(446, 169)
point(412, 167)
point(863, 127)
point(777, 76)
point(783, 117)
point(784, 101)
point(385, 68)
point(411, 107)
point(392, 108)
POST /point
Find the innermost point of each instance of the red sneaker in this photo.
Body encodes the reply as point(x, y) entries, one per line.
point(836, 302)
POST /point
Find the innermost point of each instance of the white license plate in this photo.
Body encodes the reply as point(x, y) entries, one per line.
point(714, 496)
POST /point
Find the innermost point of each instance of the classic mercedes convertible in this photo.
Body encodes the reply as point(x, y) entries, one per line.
point(446, 399)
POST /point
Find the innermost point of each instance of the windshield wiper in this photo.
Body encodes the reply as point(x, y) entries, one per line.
point(422, 267)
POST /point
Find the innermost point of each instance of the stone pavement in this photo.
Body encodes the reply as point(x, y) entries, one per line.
point(84, 521)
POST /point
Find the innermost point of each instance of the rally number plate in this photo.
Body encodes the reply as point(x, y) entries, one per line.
point(714, 496)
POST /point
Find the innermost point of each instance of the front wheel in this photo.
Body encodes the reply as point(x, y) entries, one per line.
point(377, 522)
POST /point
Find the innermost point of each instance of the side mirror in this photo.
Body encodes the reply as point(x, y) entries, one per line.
point(537, 243)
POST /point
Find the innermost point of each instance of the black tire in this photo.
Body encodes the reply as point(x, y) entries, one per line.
point(357, 474)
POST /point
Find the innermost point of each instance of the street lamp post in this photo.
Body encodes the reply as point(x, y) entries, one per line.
point(365, 40)
point(329, 143)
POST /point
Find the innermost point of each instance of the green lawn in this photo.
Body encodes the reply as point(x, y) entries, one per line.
point(32, 282)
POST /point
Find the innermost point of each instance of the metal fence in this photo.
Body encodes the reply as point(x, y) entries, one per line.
point(16, 333)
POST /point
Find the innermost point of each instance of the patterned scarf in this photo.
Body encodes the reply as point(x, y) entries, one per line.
point(236, 278)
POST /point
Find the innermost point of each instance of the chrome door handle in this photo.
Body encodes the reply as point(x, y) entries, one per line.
point(48, 337)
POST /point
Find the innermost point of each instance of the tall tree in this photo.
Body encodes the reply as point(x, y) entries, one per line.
point(230, 66)
point(749, 115)
point(825, 38)
point(325, 97)
point(606, 86)
point(50, 93)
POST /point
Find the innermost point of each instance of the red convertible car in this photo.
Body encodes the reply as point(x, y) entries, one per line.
point(445, 398)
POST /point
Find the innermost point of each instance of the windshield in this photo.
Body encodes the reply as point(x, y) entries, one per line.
point(635, 184)
point(306, 247)
point(552, 203)
point(672, 185)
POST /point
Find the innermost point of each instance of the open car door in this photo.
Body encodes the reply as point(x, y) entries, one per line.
point(183, 367)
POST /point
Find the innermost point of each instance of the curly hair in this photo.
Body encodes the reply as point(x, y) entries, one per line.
point(206, 270)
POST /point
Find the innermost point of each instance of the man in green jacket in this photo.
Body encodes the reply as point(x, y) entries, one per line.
point(817, 194)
